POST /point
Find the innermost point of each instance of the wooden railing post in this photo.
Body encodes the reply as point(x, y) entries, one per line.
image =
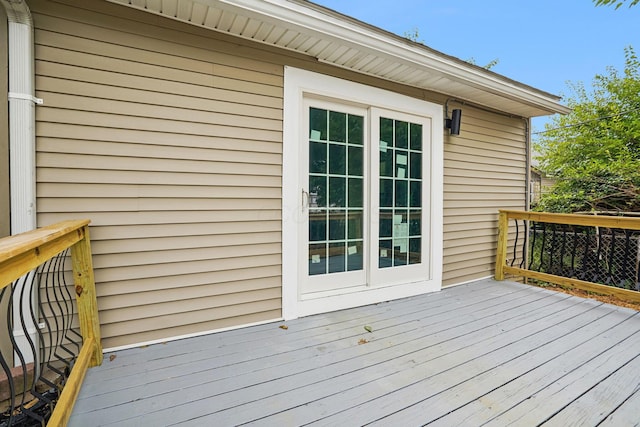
point(85, 288)
point(501, 255)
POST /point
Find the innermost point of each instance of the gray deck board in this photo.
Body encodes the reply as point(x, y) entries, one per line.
point(486, 352)
point(625, 414)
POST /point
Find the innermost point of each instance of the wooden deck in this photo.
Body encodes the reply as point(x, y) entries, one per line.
point(494, 353)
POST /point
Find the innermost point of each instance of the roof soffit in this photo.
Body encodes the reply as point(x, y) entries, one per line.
point(342, 41)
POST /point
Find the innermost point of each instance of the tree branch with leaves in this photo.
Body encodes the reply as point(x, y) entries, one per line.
point(594, 152)
point(616, 3)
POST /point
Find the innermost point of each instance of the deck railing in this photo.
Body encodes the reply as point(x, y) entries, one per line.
point(45, 357)
point(595, 253)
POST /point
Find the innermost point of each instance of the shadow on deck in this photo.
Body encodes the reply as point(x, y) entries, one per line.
point(486, 352)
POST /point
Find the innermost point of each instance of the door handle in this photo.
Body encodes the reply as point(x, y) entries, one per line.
point(305, 199)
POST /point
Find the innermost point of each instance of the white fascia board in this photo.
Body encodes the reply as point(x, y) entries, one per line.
point(295, 15)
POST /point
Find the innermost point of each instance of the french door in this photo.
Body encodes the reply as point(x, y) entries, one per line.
point(364, 198)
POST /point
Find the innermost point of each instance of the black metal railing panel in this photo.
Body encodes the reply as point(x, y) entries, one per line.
point(602, 255)
point(44, 343)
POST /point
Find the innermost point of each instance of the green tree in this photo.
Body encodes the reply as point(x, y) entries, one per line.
point(617, 3)
point(594, 152)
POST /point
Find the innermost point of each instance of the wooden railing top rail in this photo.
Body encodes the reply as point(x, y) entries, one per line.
point(22, 253)
point(628, 223)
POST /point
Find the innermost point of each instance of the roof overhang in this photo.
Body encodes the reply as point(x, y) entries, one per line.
point(339, 40)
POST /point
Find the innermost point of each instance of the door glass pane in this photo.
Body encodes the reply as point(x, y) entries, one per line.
point(386, 193)
point(337, 127)
point(400, 251)
point(355, 161)
point(385, 254)
point(337, 261)
point(415, 194)
point(400, 229)
point(317, 259)
point(337, 224)
point(355, 224)
point(415, 252)
point(402, 193)
point(416, 137)
point(317, 191)
point(355, 192)
point(355, 255)
point(317, 124)
point(356, 134)
point(415, 223)
point(416, 165)
point(402, 134)
point(386, 223)
point(337, 159)
point(336, 192)
point(318, 157)
point(386, 160)
point(318, 226)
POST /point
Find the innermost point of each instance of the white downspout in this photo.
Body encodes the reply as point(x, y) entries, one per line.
point(22, 153)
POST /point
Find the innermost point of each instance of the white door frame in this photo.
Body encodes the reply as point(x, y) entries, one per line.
point(297, 84)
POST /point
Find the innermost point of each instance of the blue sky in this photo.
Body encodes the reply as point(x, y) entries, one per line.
point(542, 43)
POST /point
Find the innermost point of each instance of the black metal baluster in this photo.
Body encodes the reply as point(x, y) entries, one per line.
point(44, 399)
point(63, 304)
point(598, 266)
point(46, 348)
point(525, 244)
point(26, 386)
point(39, 371)
point(515, 244)
point(19, 406)
point(52, 305)
point(59, 298)
point(69, 298)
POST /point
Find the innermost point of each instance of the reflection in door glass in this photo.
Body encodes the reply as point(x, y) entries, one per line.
point(336, 198)
point(400, 214)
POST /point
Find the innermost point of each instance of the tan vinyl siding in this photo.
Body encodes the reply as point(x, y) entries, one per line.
point(173, 149)
point(484, 171)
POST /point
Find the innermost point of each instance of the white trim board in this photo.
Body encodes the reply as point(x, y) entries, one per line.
point(298, 84)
